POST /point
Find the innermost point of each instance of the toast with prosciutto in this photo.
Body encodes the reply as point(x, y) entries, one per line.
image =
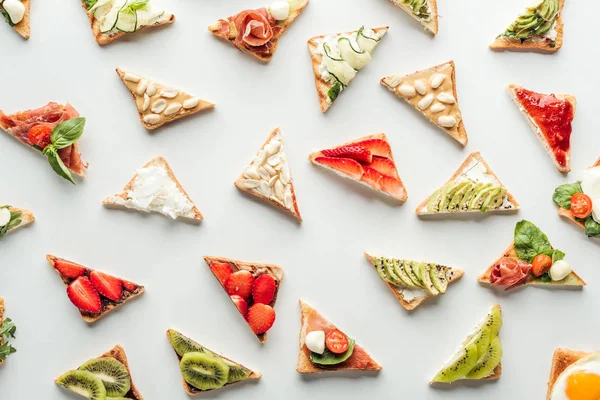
point(530, 260)
point(7, 332)
point(54, 131)
point(323, 347)
point(12, 218)
point(257, 32)
point(550, 117)
point(16, 15)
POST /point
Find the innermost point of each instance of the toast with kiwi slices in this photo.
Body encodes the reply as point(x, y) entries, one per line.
point(12, 218)
point(7, 331)
point(195, 359)
point(413, 282)
point(562, 359)
point(104, 377)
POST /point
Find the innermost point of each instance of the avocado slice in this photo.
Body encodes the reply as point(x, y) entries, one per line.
point(425, 277)
point(380, 268)
point(434, 201)
point(449, 190)
point(437, 274)
point(493, 200)
point(391, 273)
point(453, 205)
point(480, 197)
point(401, 273)
point(409, 268)
point(466, 200)
point(537, 20)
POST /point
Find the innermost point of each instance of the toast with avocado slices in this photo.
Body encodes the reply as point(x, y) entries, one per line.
point(424, 11)
point(336, 60)
point(432, 92)
point(323, 347)
point(413, 282)
point(112, 19)
point(538, 28)
point(104, 377)
point(12, 218)
point(480, 354)
point(16, 13)
point(157, 104)
point(368, 161)
point(567, 366)
point(7, 332)
point(257, 32)
point(268, 176)
point(550, 117)
point(530, 260)
point(204, 370)
point(154, 188)
point(473, 188)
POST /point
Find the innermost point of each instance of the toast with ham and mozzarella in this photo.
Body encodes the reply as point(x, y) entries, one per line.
point(13, 218)
point(23, 26)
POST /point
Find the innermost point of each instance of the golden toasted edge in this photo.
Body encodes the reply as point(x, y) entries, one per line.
point(561, 359)
point(26, 218)
point(23, 28)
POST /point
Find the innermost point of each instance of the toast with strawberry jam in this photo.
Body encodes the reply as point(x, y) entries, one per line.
point(252, 288)
point(94, 293)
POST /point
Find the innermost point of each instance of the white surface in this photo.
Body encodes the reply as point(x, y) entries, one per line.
point(322, 257)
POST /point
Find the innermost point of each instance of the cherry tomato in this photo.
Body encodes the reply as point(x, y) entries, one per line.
point(40, 135)
point(541, 264)
point(336, 341)
point(581, 205)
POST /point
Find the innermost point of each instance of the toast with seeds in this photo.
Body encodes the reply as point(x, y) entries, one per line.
point(7, 331)
point(12, 218)
point(17, 15)
point(424, 11)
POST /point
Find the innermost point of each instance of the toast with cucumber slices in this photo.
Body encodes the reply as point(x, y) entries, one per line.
point(424, 11)
point(16, 13)
point(12, 218)
point(113, 19)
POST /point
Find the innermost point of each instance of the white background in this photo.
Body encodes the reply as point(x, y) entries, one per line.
point(322, 257)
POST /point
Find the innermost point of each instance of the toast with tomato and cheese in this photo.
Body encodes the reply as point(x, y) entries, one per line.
point(12, 218)
point(16, 13)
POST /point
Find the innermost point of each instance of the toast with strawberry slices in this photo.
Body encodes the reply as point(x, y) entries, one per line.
point(561, 360)
point(23, 27)
point(94, 293)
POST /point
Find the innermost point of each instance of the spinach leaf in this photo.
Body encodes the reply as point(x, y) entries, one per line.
point(334, 91)
point(330, 358)
point(557, 255)
point(562, 194)
point(66, 133)
point(544, 278)
point(530, 241)
point(592, 228)
point(7, 330)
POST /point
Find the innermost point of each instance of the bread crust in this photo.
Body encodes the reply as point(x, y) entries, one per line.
point(274, 270)
point(430, 26)
point(26, 219)
point(477, 156)
point(561, 359)
point(563, 212)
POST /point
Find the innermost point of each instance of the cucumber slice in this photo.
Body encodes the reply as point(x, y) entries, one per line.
point(357, 59)
point(100, 4)
point(127, 20)
point(149, 15)
point(366, 43)
point(110, 20)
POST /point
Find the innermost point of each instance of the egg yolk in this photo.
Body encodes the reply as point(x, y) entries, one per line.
point(583, 386)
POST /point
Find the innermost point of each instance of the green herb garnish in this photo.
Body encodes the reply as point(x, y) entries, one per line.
point(530, 241)
point(90, 3)
point(562, 194)
point(7, 330)
point(592, 228)
point(63, 135)
point(12, 223)
point(6, 16)
point(334, 91)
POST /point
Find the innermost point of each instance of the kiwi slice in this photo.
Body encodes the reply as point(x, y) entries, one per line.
point(182, 344)
point(493, 321)
point(83, 383)
point(459, 366)
point(437, 274)
point(236, 372)
point(488, 362)
point(482, 338)
point(112, 373)
point(204, 371)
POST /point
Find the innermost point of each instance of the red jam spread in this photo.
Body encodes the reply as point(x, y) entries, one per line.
point(553, 116)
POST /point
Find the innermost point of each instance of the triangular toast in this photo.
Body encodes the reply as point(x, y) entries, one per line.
point(70, 273)
point(567, 214)
point(561, 360)
point(117, 353)
point(515, 38)
point(359, 360)
point(432, 92)
point(6, 348)
point(182, 345)
point(328, 85)
point(567, 112)
point(268, 176)
point(114, 34)
point(157, 104)
point(474, 351)
point(228, 30)
point(368, 161)
point(18, 219)
point(410, 297)
point(23, 27)
point(427, 14)
point(124, 199)
point(476, 171)
point(256, 269)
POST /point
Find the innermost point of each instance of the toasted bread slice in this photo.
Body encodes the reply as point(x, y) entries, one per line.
point(26, 218)
point(268, 176)
point(358, 361)
point(537, 43)
point(561, 360)
point(442, 110)
point(223, 31)
point(118, 353)
point(107, 304)
point(124, 199)
point(189, 343)
point(23, 27)
point(324, 85)
point(474, 168)
point(567, 97)
point(412, 297)
point(256, 270)
point(150, 96)
point(563, 212)
point(429, 23)
point(105, 38)
point(380, 174)
point(2, 342)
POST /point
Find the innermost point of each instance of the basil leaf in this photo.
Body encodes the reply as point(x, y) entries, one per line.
point(530, 241)
point(592, 228)
point(6, 17)
point(557, 255)
point(330, 358)
point(562, 194)
point(13, 223)
point(67, 133)
point(3, 230)
point(544, 278)
point(58, 166)
point(6, 350)
point(8, 328)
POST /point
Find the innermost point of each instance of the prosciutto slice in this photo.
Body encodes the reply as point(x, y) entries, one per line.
point(510, 272)
point(254, 27)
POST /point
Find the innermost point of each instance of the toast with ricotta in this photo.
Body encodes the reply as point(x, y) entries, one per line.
point(565, 213)
point(17, 9)
point(7, 331)
point(561, 360)
point(268, 176)
point(424, 11)
point(473, 188)
point(12, 218)
point(539, 28)
point(157, 104)
point(413, 282)
point(432, 92)
point(337, 58)
point(169, 198)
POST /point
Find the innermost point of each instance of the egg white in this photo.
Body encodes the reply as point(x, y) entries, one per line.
point(589, 364)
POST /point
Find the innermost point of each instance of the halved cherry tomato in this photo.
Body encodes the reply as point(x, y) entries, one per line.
point(40, 135)
point(336, 341)
point(581, 205)
point(541, 264)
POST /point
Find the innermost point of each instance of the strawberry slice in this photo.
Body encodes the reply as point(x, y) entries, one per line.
point(108, 286)
point(69, 269)
point(384, 165)
point(356, 153)
point(393, 187)
point(241, 304)
point(263, 290)
point(378, 147)
point(221, 271)
point(240, 283)
point(83, 295)
point(372, 177)
point(260, 318)
point(345, 165)
point(129, 285)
